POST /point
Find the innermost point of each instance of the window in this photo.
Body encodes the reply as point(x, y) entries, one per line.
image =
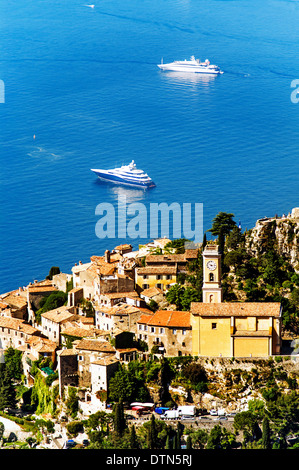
point(169, 276)
point(211, 277)
point(162, 331)
point(145, 276)
point(145, 286)
point(159, 286)
point(214, 326)
point(174, 331)
point(184, 331)
point(153, 329)
point(158, 276)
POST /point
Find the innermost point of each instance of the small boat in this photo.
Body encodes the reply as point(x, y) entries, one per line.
point(127, 175)
point(192, 65)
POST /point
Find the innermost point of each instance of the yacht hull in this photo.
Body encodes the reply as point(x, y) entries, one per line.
point(115, 179)
point(189, 69)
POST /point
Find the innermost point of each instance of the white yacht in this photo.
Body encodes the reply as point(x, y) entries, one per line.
point(127, 175)
point(192, 65)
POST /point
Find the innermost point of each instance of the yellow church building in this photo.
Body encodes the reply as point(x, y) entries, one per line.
point(231, 329)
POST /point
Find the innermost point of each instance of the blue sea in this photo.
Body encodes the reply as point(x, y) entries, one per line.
point(83, 90)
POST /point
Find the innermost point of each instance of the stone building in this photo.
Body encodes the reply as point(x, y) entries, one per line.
point(54, 319)
point(231, 329)
point(88, 351)
point(169, 332)
point(162, 271)
point(15, 333)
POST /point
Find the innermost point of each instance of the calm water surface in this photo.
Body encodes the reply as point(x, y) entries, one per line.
point(85, 82)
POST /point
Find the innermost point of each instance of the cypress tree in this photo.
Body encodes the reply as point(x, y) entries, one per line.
point(204, 241)
point(119, 418)
point(266, 442)
point(7, 390)
point(153, 433)
point(189, 442)
point(133, 438)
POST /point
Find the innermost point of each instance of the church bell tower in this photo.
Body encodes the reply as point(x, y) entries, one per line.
point(211, 290)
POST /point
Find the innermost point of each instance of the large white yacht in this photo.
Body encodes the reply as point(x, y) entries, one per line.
point(127, 175)
point(192, 65)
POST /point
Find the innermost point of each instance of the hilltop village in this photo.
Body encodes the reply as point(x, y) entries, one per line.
point(79, 330)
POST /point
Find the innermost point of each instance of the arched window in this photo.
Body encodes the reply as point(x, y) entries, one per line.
point(211, 277)
point(211, 298)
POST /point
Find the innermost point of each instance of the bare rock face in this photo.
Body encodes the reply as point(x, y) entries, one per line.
point(280, 232)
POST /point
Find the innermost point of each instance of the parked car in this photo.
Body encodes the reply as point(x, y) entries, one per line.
point(70, 444)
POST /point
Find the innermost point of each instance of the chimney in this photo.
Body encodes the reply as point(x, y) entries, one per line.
point(107, 256)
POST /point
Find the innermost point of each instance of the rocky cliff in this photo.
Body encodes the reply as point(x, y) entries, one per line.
point(281, 233)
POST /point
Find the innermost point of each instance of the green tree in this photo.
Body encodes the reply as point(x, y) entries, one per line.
point(152, 434)
point(175, 295)
point(247, 422)
point(122, 385)
point(2, 429)
point(53, 270)
point(72, 402)
point(119, 420)
point(53, 301)
point(223, 223)
point(13, 361)
point(7, 389)
point(189, 442)
point(133, 438)
point(266, 441)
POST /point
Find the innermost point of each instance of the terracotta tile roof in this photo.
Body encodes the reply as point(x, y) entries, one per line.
point(151, 292)
point(76, 289)
point(105, 361)
point(120, 309)
point(59, 315)
point(73, 330)
point(3, 306)
point(236, 309)
point(125, 246)
point(173, 258)
point(120, 295)
point(95, 345)
point(35, 288)
point(144, 319)
point(157, 270)
point(15, 301)
point(167, 318)
point(81, 267)
point(20, 325)
point(67, 352)
point(42, 345)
